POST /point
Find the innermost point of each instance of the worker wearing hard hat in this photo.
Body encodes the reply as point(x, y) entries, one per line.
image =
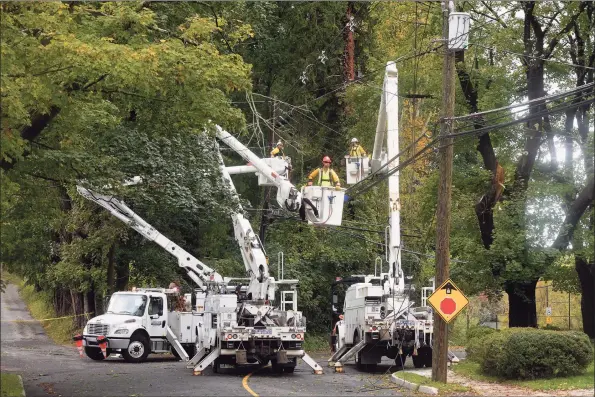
point(326, 176)
point(356, 150)
point(278, 150)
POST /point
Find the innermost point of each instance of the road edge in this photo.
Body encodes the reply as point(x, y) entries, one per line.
point(23, 394)
point(413, 386)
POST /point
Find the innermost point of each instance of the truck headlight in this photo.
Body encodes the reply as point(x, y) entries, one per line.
point(121, 331)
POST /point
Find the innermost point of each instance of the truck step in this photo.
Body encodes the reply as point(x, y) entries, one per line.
point(173, 340)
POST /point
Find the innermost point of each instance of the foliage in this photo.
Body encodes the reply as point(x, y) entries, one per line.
point(530, 353)
point(94, 93)
point(476, 348)
point(11, 385)
point(443, 388)
point(472, 370)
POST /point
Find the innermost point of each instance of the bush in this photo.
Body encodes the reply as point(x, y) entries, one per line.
point(552, 327)
point(479, 332)
point(476, 337)
point(528, 353)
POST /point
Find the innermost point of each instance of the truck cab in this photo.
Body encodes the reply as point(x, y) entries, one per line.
point(140, 322)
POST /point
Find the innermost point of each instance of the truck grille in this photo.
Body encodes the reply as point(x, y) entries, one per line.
point(98, 329)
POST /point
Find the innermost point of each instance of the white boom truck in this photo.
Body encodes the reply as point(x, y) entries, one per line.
point(379, 319)
point(223, 327)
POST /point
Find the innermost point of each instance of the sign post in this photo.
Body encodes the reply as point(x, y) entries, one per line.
point(448, 301)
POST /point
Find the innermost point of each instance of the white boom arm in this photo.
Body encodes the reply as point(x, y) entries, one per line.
point(261, 286)
point(288, 196)
point(388, 126)
point(200, 273)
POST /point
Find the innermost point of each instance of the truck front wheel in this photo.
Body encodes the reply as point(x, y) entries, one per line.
point(138, 349)
point(94, 353)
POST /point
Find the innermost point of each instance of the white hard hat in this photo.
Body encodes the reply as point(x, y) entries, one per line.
point(279, 143)
point(354, 140)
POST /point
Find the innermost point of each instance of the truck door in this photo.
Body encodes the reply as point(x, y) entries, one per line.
point(156, 312)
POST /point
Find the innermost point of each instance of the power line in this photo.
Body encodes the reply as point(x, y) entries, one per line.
point(535, 57)
point(543, 98)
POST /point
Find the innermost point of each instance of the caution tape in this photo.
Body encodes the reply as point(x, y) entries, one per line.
point(45, 319)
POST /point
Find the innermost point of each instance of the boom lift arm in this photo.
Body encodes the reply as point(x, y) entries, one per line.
point(288, 196)
point(200, 273)
point(388, 127)
point(261, 286)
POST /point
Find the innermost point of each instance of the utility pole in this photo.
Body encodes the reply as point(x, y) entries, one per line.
point(440, 341)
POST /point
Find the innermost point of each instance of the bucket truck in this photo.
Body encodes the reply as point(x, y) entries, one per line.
point(223, 328)
point(378, 317)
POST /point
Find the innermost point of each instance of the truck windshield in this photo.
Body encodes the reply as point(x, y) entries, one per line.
point(131, 304)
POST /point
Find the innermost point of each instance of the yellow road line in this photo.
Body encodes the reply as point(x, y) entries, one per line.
point(245, 381)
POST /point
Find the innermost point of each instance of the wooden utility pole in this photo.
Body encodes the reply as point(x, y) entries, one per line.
point(440, 341)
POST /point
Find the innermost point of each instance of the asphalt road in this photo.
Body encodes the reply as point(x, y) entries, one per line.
point(52, 370)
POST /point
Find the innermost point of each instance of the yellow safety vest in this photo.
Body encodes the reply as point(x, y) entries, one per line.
point(357, 151)
point(276, 152)
point(324, 178)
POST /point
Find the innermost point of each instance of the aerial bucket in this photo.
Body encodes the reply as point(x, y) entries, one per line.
point(357, 169)
point(328, 202)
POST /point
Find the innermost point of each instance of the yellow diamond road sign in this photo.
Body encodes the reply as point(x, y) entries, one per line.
point(448, 300)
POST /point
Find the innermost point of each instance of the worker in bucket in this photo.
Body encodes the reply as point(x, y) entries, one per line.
point(278, 150)
point(325, 175)
point(356, 150)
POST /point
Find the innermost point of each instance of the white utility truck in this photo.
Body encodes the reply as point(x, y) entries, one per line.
point(140, 322)
point(379, 319)
point(254, 321)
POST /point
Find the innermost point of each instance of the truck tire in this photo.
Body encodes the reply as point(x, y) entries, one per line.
point(94, 353)
point(138, 349)
point(400, 361)
point(419, 360)
point(276, 368)
point(358, 355)
point(427, 357)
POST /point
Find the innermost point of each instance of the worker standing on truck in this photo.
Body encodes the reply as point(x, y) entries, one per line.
point(326, 176)
point(278, 150)
point(356, 150)
point(180, 301)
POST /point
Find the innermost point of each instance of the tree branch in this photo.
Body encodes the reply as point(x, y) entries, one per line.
point(554, 42)
point(574, 214)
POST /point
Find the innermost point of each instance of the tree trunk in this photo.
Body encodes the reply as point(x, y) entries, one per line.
point(522, 311)
point(95, 304)
point(122, 276)
point(586, 276)
point(349, 67)
point(111, 269)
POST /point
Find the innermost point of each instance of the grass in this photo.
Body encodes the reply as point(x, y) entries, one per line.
point(447, 389)
point(316, 343)
point(10, 385)
point(41, 308)
point(471, 370)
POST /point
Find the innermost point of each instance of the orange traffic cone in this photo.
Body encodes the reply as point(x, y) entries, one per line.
point(78, 339)
point(102, 345)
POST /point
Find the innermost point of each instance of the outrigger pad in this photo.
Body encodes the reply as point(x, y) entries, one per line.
point(282, 357)
point(241, 357)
